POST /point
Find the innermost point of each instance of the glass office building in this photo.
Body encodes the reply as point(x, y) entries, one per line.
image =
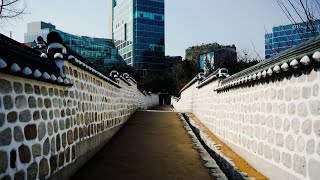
point(287, 36)
point(138, 33)
point(99, 51)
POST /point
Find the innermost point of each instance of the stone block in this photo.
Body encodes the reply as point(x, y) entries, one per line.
point(55, 126)
point(296, 93)
point(25, 116)
point(36, 115)
point(44, 91)
point(32, 171)
point(70, 137)
point(6, 86)
point(270, 122)
point(296, 125)
point(55, 103)
point(53, 145)
point(43, 168)
point(316, 127)
point(47, 103)
point(64, 140)
point(280, 94)
point(58, 142)
point(50, 128)
point(53, 164)
point(2, 118)
point(7, 102)
point(61, 159)
point(288, 93)
point(19, 175)
point(73, 152)
point(21, 102)
point(18, 134)
point(314, 107)
point(51, 114)
point(299, 164)
point(292, 109)
point(37, 90)
point(46, 147)
point(67, 155)
point(36, 150)
point(24, 154)
point(286, 125)
point(306, 92)
point(12, 117)
point(44, 114)
point(18, 88)
point(271, 136)
point(279, 140)
point(68, 123)
point(300, 144)
point(30, 132)
point(307, 127)
point(5, 137)
point(290, 143)
point(310, 147)
point(302, 109)
point(3, 161)
point(13, 158)
point(276, 155)
point(42, 131)
point(40, 102)
point(51, 92)
point(286, 160)
point(282, 108)
point(278, 123)
point(28, 88)
point(32, 102)
point(267, 152)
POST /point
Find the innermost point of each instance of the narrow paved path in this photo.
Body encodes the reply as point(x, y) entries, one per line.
point(152, 145)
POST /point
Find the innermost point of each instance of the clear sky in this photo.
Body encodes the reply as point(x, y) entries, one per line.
point(188, 22)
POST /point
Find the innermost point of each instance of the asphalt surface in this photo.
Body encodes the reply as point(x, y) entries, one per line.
point(152, 145)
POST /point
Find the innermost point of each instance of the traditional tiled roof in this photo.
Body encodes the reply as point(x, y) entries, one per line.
point(302, 56)
point(20, 60)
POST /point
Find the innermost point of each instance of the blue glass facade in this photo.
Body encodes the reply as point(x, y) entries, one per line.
point(209, 57)
point(138, 32)
point(99, 51)
point(285, 37)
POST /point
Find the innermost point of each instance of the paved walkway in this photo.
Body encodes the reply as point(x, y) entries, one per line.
point(152, 145)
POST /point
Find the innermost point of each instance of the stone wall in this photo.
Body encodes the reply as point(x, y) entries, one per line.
point(49, 130)
point(269, 115)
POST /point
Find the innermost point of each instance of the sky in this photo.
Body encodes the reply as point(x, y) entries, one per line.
point(187, 22)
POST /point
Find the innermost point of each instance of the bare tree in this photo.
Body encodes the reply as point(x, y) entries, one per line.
point(305, 11)
point(11, 9)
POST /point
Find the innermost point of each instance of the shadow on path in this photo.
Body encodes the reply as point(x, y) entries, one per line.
point(152, 145)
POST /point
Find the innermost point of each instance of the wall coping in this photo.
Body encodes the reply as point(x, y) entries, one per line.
point(301, 56)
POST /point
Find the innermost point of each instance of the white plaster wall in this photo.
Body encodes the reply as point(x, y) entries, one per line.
point(274, 124)
point(73, 115)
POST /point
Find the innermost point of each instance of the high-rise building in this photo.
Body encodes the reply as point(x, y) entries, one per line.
point(99, 51)
point(139, 34)
point(287, 36)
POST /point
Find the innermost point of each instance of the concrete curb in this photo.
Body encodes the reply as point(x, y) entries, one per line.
point(213, 149)
point(209, 162)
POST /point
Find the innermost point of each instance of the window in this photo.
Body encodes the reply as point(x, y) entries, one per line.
point(125, 32)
